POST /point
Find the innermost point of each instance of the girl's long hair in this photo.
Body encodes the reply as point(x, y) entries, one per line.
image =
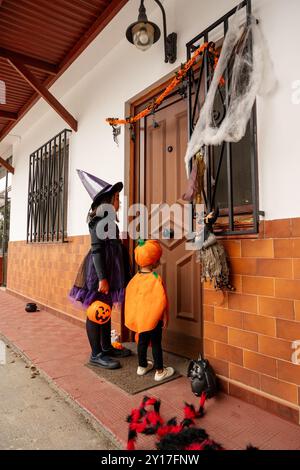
point(92, 213)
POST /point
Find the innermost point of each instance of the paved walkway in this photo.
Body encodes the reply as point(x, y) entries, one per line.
point(60, 350)
point(33, 416)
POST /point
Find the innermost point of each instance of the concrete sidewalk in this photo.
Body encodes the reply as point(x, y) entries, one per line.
point(60, 349)
point(33, 416)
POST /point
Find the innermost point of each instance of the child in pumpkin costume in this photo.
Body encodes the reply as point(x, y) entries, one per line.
point(146, 309)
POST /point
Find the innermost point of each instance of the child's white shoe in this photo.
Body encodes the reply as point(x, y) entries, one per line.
point(143, 370)
point(167, 372)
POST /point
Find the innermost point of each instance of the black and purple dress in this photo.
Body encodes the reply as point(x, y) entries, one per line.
point(107, 259)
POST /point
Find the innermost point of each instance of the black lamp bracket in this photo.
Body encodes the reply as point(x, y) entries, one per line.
point(142, 12)
point(169, 40)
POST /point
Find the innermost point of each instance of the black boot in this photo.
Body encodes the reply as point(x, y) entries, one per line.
point(102, 360)
point(114, 352)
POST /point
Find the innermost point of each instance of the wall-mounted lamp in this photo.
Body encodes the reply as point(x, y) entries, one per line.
point(144, 33)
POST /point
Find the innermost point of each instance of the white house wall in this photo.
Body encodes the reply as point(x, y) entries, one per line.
point(111, 71)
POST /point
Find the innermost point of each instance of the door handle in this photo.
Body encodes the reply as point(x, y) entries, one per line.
point(168, 233)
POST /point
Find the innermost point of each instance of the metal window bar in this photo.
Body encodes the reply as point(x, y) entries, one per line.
point(5, 228)
point(193, 93)
point(47, 191)
point(5, 209)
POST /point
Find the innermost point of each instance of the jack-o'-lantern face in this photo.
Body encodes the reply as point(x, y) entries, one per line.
point(99, 312)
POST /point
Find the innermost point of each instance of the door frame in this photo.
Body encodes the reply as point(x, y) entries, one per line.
point(129, 146)
point(131, 177)
point(130, 173)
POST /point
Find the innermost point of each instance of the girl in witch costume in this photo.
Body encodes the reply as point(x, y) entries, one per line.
point(105, 271)
point(146, 309)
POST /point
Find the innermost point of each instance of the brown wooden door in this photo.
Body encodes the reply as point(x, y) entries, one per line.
point(163, 180)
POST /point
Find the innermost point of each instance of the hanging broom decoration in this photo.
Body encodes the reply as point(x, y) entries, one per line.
point(213, 256)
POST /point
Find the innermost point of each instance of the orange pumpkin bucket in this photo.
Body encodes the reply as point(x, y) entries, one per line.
point(99, 312)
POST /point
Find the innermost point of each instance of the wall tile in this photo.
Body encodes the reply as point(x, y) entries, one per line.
point(278, 308)
point(208, 313)
point(245, 376)
point(228, 317)
point(297, 310)
point(257, 248)
point(289, 330)
point(280, 389)
point(283, 248)
point(281, 268)
point(244, 266)
point(268, 404)
point(232, 247)
point(260, 363)
point(278, 228)
point(260, 324)
point(261, 286)
point(215, 332)
point(275, 347)
point(242, 302)
point(229, 353)
point(295, 227)
point(289, 372)
point(209, 347)
point(243, 339)
point(296, 268)
point(220, 367)
point(287, 289)
point(212, 297)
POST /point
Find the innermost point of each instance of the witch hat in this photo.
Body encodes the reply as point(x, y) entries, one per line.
point(97, 188)
point(91, 183)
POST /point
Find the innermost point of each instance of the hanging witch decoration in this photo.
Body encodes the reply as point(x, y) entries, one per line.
point(211, 254)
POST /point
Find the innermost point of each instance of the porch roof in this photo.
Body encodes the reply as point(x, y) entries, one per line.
point(38, 42)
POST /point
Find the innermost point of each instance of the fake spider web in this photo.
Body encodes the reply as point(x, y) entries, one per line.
point(250, 75)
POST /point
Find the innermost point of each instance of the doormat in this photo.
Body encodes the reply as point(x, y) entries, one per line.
point(126, 377)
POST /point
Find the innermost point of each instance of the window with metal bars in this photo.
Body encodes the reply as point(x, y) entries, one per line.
point(5, 193)
point(231, 179)
point(47, 191)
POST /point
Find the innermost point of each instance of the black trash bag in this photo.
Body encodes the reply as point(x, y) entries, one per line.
point(203, 378)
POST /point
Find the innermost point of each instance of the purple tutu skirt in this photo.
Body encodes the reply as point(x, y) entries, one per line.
point(118, 274)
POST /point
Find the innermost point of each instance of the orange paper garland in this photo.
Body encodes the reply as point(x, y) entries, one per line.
point(174, 83)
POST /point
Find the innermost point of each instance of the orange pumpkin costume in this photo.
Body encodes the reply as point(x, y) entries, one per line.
point(146, 298)
point(145, 302)
point(147, 252)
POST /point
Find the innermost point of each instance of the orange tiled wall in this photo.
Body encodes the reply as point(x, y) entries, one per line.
point(46, 272)
point(249, 333)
